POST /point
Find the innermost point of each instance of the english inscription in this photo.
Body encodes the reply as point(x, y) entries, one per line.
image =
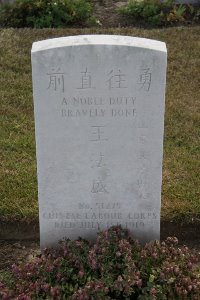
point(93, 107)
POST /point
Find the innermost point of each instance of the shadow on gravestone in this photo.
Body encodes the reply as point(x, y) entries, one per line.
point(99, 119)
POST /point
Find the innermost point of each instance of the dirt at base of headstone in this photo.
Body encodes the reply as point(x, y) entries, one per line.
point(17, 251)
point(25, 250)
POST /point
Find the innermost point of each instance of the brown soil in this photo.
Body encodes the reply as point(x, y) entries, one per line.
point(17, 251)
point(106, 13)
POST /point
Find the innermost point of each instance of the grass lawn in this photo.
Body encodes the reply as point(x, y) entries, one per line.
point(181, 166)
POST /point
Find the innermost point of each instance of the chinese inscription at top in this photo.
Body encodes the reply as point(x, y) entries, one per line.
point(116, 80)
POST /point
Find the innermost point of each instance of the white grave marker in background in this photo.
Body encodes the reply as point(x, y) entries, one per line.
point(99, 116)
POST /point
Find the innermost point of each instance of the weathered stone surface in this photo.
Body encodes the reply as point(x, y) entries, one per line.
point(99, 114)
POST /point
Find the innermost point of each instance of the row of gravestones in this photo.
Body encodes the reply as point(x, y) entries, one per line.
point(99, 119)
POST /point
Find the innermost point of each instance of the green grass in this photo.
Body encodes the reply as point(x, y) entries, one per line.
point(181, 166)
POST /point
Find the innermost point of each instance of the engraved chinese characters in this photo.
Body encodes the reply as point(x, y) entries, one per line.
point(99, 114)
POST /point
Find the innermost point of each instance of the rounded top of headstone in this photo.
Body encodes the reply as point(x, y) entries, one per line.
point(83, 40)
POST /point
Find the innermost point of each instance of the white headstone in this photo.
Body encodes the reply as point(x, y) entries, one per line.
point(99, 115)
